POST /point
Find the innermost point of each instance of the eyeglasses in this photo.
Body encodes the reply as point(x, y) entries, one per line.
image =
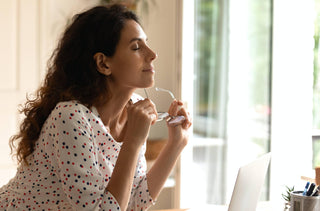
point(172, 120)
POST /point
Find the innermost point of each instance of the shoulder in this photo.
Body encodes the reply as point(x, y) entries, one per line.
point(71, 109)
point(72, 115)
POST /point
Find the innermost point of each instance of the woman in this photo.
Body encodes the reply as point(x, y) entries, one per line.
point(82, 143)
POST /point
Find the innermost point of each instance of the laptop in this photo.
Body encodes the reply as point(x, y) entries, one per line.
point(247, 188)
point(248, 185)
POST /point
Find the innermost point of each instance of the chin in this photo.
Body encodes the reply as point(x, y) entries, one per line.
point(148, 85)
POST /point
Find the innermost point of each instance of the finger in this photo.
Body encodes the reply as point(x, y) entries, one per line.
point(187, 123)
point(154, 118)
point(148, 103)
point(173, 110)
point(183, 112)
point(180, 103)
point(179, 106)
point(144, 104)
point(150, 108)
point(153, 112)
point(190, 119)
point(181, 117)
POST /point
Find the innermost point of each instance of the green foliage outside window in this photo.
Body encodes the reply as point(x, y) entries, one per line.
point(316, 66)
point(316, 85)
point(206, 59)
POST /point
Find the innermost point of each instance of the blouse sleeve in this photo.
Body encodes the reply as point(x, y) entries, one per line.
point(76, 159)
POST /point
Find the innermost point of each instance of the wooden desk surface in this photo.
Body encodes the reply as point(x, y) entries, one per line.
point(174, 210)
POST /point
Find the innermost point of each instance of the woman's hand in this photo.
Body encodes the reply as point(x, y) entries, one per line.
point(178, 139)
point(178, 134)
point(140, 116)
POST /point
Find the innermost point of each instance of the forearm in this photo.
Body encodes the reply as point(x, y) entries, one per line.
point(162, 168)
point(120, 184)
point(177, 140)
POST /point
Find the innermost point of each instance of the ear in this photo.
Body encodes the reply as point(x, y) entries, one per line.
point(101, 63)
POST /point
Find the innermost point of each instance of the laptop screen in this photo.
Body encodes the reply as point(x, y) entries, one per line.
point(248, 185)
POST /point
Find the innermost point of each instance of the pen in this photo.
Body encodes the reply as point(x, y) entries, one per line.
point(311, 188)
point(316, 192)
point(306, 189)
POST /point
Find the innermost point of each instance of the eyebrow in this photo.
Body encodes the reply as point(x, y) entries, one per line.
point(137, 39)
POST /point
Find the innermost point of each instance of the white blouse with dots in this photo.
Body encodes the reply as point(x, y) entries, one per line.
point(71, 166)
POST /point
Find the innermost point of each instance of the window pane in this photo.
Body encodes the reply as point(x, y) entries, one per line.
point(249, 87)
point(316, 69)
point(231, 91)
point(208, 95)
point(316, 87)
point(210, 99)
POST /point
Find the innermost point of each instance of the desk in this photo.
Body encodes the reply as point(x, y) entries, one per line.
point(262, 206)
point(174, 210)
point(215, 208)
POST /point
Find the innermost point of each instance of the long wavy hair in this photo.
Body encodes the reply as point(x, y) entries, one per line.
point(71, 71)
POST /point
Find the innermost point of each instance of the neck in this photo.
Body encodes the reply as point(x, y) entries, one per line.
point(114, 108)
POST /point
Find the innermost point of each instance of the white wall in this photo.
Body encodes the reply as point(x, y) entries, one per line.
point(162, 27)
point(29, 32)
point(19, 59)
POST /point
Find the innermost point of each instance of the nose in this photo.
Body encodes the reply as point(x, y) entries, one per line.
point(152, 54)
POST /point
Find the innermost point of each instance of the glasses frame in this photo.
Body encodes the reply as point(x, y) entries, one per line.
point(172, 120)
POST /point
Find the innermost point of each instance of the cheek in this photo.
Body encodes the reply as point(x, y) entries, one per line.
point(128, 62)
point(126, 68)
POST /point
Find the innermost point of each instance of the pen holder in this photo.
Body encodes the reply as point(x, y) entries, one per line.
point(304, 203)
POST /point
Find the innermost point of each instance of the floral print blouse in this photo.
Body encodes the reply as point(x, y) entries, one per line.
point(71, 166)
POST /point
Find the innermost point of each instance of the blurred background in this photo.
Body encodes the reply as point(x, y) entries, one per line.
point(246, 69)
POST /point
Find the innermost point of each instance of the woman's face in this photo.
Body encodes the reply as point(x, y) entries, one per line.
point(131, 65)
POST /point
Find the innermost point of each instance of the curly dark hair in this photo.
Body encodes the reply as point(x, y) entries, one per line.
point(72, 72)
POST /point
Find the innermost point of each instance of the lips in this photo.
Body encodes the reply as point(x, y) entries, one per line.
point(148, 70)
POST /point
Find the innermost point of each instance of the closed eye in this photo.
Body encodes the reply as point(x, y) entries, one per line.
point(136, 47)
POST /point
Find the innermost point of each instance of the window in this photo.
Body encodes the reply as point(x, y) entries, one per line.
point(231, 93)
point(210, 98)
point(316, 88)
